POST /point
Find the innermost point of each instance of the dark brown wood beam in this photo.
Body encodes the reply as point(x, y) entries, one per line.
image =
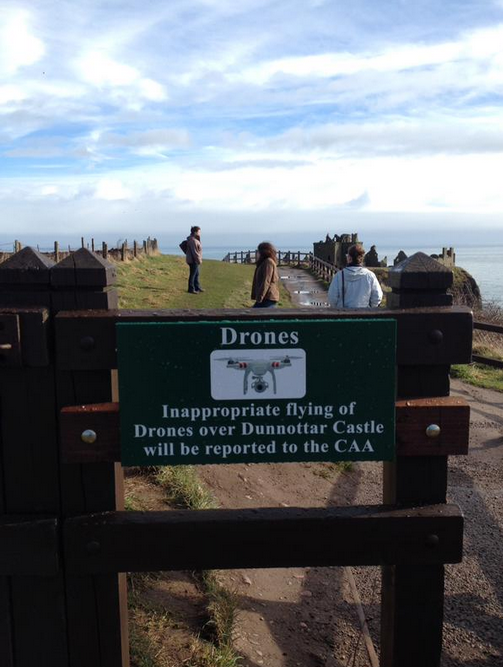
point(425, 336)
point(413, 417)
point(269, 537)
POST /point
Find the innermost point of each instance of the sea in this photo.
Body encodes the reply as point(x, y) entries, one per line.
point(484, 263)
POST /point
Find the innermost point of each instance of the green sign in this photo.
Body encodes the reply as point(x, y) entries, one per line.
point(256, 391)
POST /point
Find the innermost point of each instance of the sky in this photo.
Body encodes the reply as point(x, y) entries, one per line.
point(253, 119)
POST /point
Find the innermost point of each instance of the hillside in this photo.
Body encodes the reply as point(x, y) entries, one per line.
point(161, 282)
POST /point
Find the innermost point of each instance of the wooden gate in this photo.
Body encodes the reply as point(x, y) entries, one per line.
point(64, 537)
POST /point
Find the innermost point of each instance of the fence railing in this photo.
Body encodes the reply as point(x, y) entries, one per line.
point(64, 535)
point(304, 260)
point(492, 328)
point(123, 252)
point(289, 257)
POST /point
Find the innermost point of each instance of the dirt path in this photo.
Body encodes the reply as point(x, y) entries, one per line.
point(308, 617)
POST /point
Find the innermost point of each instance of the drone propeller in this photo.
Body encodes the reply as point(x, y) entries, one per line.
point(286, 356)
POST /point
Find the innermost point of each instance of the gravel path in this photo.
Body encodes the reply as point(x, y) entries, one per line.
point(307, 617)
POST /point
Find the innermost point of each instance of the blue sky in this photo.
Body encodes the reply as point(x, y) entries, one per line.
point(263, 117)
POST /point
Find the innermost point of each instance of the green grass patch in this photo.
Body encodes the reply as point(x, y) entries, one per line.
point(183, 488)
point(331, 470)
point(162, 281)
point(479, 375)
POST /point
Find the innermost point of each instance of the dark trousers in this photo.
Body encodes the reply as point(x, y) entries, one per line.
point(194, 285)
point(266, 303)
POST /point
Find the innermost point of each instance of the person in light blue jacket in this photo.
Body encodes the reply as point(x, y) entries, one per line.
point(355, 286)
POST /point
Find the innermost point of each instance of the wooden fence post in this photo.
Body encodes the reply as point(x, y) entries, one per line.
point(96, 606)
point(56, 251)
point(32, 608)
point(57, 620)
point(104, 250)
point(412, 596)
point(135, 249)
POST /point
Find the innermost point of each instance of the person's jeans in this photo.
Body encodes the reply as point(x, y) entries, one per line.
point(266, 303)
point(194, 285)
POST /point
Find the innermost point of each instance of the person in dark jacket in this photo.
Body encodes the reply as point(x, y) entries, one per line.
point(265, 288)
point(194, 258)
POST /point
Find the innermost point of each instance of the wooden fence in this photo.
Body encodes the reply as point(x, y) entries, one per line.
point(302, 260)
point(493, 328)
point(64, 535)
point(122, 253)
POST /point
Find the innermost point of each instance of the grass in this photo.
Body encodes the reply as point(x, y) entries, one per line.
point(214, 648)
point(161, 282)
point(183, 488)
point(479, 375)
point(330, 470)
point(485, 344)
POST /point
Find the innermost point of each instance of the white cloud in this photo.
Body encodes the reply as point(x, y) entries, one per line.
point(112, 189)
point(19, 47)
point(99, 70)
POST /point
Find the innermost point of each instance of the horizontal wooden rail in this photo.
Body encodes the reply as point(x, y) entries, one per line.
point(486, 326)
point(493, 328)
point(263, 538)
point(487, 361)
point(85, 340)
point(283, 257)
point(413, 417)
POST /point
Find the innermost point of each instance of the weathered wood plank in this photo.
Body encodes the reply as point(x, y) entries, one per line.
point(30, 545)
point(412, 597)
point(94, 608)
point(429, 336)
point(495, 363)
point(286, 537)
point(413, 416)
point(419, 598)
point(32, 332)
point(412, 419)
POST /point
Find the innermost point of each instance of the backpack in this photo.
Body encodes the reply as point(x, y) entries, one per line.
point(183, 246)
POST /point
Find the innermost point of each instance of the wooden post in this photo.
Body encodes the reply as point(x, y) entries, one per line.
point(145, 247)
point(57, 620)
point(135, 249)
point(82, 242)
point(123, 252)
point(56, 251)
point(32, 608)
point(96, 606)
point(92, 245)
point(104, 250)
point(412, 596)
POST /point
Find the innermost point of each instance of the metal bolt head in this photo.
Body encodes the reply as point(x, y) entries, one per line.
point(436, 336)
point(432, 540)
point(89, 436)
point(93, 547)
point(433, 431)
point(87, 343)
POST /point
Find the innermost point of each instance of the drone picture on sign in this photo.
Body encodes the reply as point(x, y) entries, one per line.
point(263, 374)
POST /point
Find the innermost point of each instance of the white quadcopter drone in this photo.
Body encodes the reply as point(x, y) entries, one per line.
point(258, 368)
